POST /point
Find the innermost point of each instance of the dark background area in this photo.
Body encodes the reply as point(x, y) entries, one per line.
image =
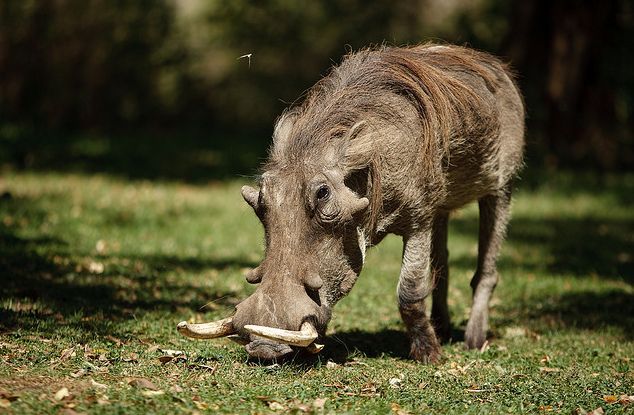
point(157, 89)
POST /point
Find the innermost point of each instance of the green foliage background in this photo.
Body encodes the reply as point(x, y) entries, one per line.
point(171, 69)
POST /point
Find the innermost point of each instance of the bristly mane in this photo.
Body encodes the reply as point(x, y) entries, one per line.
point(363, 88)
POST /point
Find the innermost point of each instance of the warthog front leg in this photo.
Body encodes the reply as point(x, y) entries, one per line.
point(494, 214)
point(414, 285)
point(440, 274)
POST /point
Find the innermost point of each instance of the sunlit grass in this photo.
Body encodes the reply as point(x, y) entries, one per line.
point(96, 271)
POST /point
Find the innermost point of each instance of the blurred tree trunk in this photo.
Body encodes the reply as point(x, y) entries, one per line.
point(558, 47)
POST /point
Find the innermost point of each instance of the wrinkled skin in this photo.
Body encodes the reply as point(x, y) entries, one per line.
point(313, 253)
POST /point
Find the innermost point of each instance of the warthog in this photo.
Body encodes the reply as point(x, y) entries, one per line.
point(391, 141)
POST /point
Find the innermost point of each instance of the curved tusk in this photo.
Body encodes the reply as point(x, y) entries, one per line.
point(302, 338)
point(220, 328)
point(314, 348)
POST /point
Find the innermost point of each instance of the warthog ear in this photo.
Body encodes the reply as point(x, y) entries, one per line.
point(283, 129)
point(352, 203)
point(251, 196)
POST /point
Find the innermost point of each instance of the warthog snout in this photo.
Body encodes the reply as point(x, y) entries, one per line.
point(278, 316)
point(273, 321)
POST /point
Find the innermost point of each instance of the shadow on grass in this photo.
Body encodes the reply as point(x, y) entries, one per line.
point(41, 288)
point(392, 343)
point(579, 247)
point(611, 309)
point(388, 342)
point(344, 346)
point(584, 248)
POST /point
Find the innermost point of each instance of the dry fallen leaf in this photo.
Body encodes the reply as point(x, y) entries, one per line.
point(132, 357)
point(581, 411)
point(455, 372)
point(201, 405)
point(276, 406)
point(97, 385)
point(549, 369)
point(626, 400)
point(319, 403)
point(78, 374)
point(96, 267)
point(66, 353)
point(272, 404)
point(172, 353)
point(165, 359)
point(298, 406)
point(475, 389)
point(103, 400)
point(355, 363)
point(169, 355)
point(610, 399)
point(142, 383)
point(211, 369)
point(61, 394)
point(395, 383)
point(369, 390)
point(396, 408)
point(4, 403)
point(152, 393)
point(100, 247)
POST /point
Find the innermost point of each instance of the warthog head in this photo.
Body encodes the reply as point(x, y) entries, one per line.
point(315, 246)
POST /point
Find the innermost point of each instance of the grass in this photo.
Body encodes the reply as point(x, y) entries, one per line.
point(96, 270)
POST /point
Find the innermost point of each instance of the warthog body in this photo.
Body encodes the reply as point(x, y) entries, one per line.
point(390, 141)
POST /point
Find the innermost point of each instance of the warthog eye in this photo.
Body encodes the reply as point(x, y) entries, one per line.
point(323, 193)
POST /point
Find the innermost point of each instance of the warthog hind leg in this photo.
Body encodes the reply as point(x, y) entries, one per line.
point(494, 214)
point(440, 274)
point(414, 285)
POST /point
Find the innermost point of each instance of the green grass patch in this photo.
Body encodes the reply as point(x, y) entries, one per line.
point(97, 270)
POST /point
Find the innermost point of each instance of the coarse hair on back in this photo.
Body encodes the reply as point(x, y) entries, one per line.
point(360, 93)
point(359, 89)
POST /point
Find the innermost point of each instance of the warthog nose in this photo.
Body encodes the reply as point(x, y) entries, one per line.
point(267, 350)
